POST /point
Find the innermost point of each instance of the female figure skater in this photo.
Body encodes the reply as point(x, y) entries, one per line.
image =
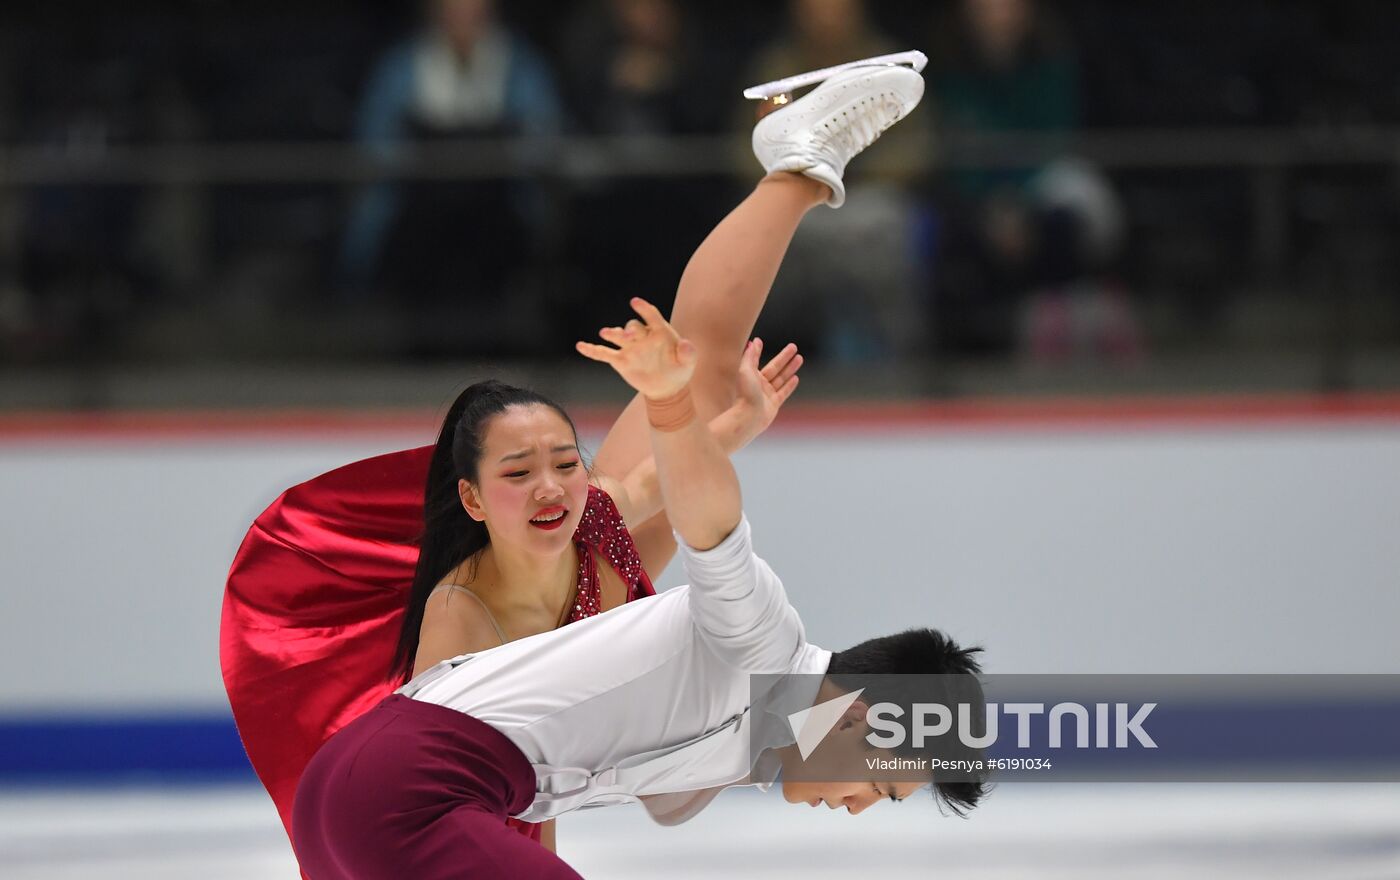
point(316, 604)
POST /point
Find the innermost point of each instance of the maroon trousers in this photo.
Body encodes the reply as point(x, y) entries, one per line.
point(411, 789)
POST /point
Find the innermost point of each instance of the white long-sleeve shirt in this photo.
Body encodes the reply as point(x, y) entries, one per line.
point(649, 699)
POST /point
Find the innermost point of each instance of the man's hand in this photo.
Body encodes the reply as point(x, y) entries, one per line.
point(649, 355)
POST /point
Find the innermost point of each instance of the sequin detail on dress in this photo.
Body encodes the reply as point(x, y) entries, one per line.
point(603, 531)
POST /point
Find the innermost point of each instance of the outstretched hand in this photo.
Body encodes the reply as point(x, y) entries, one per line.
point(648, 354)
point(762, 392)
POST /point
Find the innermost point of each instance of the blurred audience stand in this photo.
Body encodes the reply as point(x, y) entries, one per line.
point(451, 247)
point(1024, 254)
point(163, 201)
point(851, 287)
point(77, 261)
point(639, 74)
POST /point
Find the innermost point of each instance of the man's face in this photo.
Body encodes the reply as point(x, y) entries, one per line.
point(854, 796)
point(837, 772)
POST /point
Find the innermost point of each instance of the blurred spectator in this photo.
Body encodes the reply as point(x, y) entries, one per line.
point(1022, 249)
point(465, 76)
point(637, 67)
point(638, 71)
point(850, 285)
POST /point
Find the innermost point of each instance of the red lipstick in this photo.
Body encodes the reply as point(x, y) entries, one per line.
point(555, 517)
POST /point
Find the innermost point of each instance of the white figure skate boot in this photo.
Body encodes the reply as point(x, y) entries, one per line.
point(820, 132)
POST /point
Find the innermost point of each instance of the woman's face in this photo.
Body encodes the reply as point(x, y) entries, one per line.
point(531, 484)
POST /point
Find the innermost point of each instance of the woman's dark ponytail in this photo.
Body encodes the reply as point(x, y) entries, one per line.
point(450, 536)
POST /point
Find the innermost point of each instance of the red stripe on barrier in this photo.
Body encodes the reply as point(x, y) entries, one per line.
point(1168, 413)
point(983, 414)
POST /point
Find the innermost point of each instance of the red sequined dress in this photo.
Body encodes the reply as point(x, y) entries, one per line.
point(315, 600)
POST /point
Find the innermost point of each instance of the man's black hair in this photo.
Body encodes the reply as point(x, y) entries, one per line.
point(874, 665)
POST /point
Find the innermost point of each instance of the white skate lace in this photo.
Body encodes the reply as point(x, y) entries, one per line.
point(859, 134)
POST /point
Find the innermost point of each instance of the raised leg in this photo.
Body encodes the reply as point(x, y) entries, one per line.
point(728, 278)
point(719, 298)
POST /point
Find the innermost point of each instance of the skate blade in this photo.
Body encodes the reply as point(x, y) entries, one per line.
point(912, 58)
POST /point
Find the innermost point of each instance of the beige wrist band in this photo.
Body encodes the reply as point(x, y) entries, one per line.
point(671, 413)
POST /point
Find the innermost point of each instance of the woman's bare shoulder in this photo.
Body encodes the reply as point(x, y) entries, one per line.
point(455, 621)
